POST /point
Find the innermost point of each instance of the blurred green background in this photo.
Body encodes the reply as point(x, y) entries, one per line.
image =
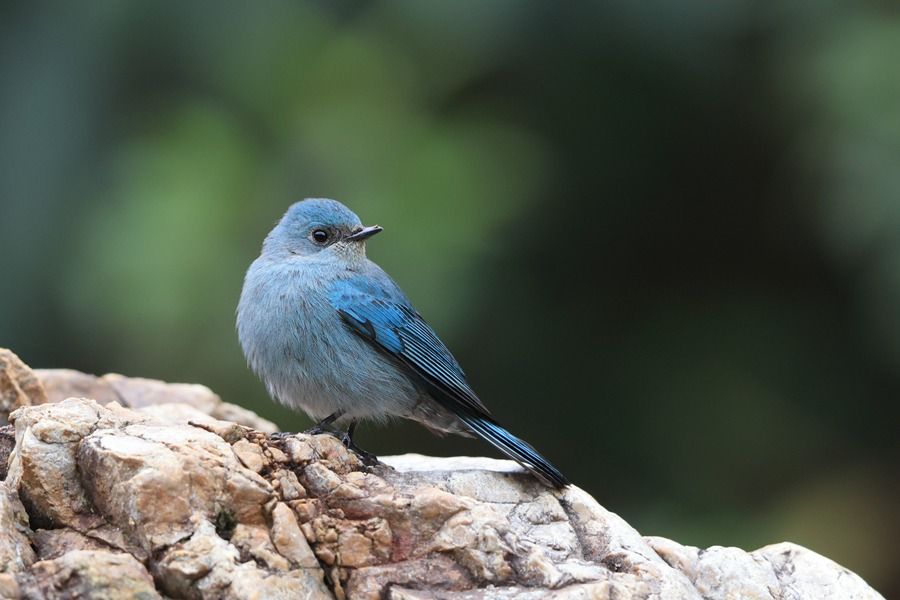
point(663, 238)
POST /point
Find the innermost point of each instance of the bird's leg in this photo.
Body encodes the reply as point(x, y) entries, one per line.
point(322, 426)
point(346, 438)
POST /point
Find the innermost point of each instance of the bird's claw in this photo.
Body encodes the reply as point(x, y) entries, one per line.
point(279, 436)
point(367, 458)
point(345, 437)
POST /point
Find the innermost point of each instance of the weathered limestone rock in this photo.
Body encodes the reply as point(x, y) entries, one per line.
point(16, 553)
point(93, 574)
point(170, 402)
point(7, 443)
point(719, 572)
point(18, 385)
point(132, 503)
point(66, 383)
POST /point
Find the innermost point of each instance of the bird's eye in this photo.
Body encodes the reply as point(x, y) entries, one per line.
point(320, 236)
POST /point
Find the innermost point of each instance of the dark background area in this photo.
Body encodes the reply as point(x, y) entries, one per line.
point(662, 238)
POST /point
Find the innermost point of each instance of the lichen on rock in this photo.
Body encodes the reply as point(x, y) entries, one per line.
point(105, 500)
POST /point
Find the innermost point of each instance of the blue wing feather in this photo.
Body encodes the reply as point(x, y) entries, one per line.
point(381, 312)
point(378, 310)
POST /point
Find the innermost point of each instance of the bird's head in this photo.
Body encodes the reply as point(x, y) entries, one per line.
point(321, 228)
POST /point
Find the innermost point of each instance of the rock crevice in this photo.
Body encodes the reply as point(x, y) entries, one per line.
point(118, 488)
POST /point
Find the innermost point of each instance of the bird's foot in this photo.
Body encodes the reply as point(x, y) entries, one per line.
point(367, 458)
point(322, 426)
point(280, 436)
point(317, 430)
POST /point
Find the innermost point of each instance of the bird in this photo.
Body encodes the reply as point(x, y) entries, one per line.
point(330, 333)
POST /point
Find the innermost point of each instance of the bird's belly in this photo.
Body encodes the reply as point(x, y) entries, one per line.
point(309, 359)
point(346, 374)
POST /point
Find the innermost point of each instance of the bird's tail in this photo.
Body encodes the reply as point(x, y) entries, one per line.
point(515, 448)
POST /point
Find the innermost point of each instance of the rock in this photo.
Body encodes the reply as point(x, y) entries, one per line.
point(719, 572)
point(95, 574)
point(288, 538)
point(18, 385)
point(16, 553)
point(802, 573)
point(171, 402)
point(66, 383)
point(7, 443)
point(250, 455)
point(208, 566)
point(9, 587)
point(133, 501)
point(225, 411)
point(152, 479)
point(43, 466)
point(138, 392)
point(53, 543)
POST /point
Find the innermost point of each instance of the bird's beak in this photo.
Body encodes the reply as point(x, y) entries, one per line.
point(364, 233)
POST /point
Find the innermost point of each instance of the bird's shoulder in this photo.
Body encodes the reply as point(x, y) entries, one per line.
point(376, 308)
point(368, 284)
point(371, 302)
point(375, 305)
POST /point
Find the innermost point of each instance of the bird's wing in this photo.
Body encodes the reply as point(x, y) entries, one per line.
point(377, 310)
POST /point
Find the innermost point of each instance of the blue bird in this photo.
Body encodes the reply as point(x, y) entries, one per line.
point(329, 332)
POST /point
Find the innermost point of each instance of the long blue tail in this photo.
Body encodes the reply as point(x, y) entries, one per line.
point(515, 448)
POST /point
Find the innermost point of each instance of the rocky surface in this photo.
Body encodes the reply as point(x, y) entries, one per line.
point(170, 402)
point(19, 386)
point(164, 498)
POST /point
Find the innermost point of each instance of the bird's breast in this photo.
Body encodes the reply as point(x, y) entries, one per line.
point(283, 319)
point(298, 344)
